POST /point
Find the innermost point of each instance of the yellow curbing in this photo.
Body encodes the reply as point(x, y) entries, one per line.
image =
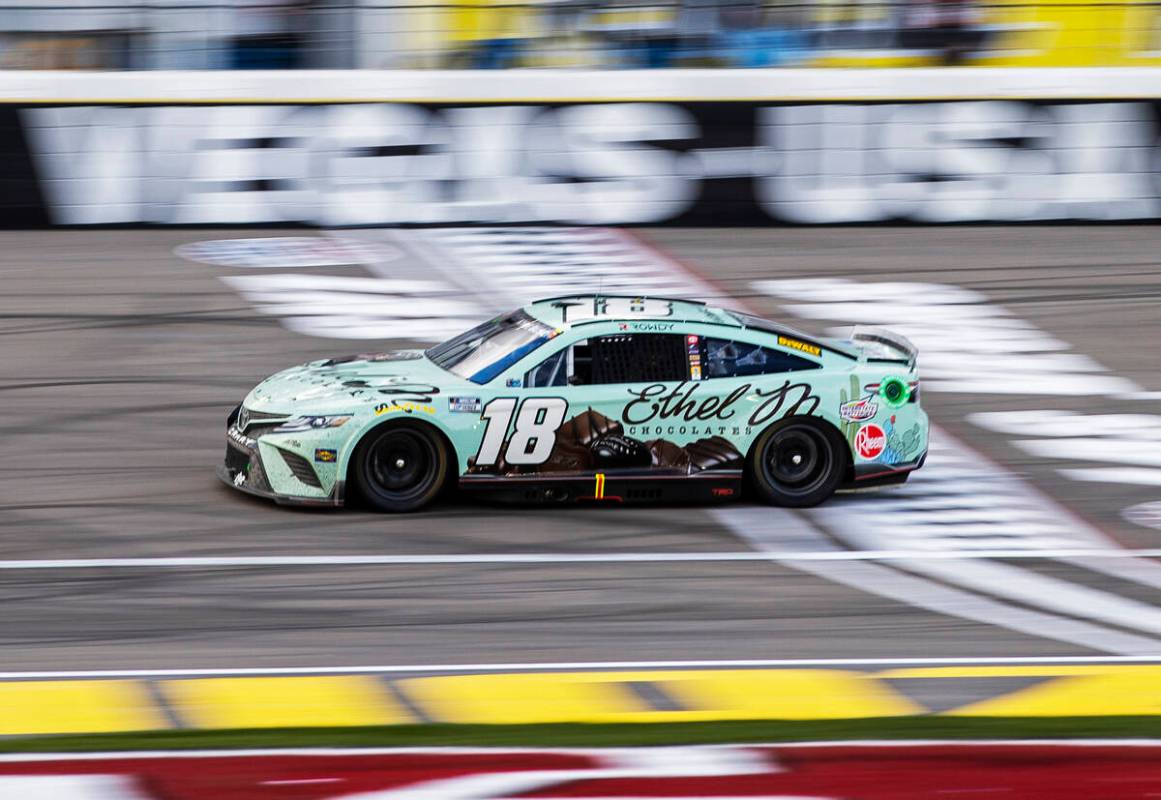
point(796, 694)
point(102, 706)
point(324, 701)
point(1129, 692)
point(525, 699)
point(36, 707)
point(700, 696)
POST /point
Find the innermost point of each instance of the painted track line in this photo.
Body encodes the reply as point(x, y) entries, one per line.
point(555, 666)
point(177, 562)
point(886, 744)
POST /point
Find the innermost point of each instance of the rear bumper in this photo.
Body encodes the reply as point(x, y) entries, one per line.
point(868, 476)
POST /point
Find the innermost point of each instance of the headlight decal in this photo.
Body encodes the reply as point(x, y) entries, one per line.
point(312, 423)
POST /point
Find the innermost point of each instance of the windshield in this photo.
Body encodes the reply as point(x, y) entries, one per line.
point(487, 350)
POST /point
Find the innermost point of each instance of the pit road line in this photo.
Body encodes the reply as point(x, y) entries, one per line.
point(555, 666)
point(178, 562)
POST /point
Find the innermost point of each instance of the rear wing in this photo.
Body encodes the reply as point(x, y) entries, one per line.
point(882, 344)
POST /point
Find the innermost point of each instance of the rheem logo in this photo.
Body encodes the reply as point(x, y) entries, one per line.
point(870, 441)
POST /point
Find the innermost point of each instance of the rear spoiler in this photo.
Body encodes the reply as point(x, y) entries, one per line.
point(880, 343)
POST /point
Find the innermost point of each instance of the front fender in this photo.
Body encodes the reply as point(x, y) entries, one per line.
point(369, 424)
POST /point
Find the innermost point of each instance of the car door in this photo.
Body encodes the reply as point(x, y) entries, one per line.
point(599, 377)
point(744, 377)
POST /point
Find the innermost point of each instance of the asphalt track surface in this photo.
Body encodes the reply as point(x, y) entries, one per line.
point(122, 359)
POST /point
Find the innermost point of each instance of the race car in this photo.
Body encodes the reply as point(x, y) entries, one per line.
point(589, 399)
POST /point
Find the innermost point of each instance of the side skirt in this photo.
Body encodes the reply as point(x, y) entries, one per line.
point(603, 488)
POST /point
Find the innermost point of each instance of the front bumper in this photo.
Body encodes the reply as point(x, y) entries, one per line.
point(226, 476)
point(243, 469)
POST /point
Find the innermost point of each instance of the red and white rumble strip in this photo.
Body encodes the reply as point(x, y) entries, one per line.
point(1078, 770)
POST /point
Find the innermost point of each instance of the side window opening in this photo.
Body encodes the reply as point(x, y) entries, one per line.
point(552, 371)
point(580, 368)
point(728, 359)
point(619, 358)
point(631, 358)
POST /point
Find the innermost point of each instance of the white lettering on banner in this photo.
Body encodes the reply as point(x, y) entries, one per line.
point(90, 159)
point(965, 343)
point(1108, 162)
point(958, 162)
point(339, 307)
point(593, 163)
point(228, 164)
point(363, 165)
point(618, 180)
point(378, 164)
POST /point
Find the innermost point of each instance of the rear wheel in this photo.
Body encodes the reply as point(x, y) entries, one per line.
point(797, 463)
point(400, 467)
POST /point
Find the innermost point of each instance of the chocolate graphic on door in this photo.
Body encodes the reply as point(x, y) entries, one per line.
point(592, 442)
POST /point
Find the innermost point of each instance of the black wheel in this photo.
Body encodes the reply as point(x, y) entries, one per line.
point(797, 463)
point(400, 467)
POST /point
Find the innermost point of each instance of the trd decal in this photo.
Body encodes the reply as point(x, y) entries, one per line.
point(613, 307)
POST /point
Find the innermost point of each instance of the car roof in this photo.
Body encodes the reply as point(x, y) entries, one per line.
point(551, 310)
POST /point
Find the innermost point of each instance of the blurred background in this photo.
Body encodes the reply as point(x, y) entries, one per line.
point(196, 195)
point(618, 34)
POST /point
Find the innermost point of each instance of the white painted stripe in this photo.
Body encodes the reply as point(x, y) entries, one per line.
point(593, 751)
point(919, 592)
point(204, 562)
point(1047, 593)
point(586, 666)
point(778, 527)
point(1140, 453)
point(1146, 573)
point(1137, 476)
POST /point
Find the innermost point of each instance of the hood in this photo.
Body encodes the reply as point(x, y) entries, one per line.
point(342, 385)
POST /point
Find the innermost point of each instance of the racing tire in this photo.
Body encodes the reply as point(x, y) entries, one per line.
point(797, 463)
point(400, 467)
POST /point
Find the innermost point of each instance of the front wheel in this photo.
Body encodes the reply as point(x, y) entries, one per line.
point(797, 463)
point(400, 468)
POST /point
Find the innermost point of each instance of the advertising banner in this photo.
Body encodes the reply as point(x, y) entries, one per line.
point(630, 161)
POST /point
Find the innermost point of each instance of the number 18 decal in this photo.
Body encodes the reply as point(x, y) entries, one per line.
point(535, 433)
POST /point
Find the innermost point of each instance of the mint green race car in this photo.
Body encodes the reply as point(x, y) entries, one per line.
point(590, 399)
